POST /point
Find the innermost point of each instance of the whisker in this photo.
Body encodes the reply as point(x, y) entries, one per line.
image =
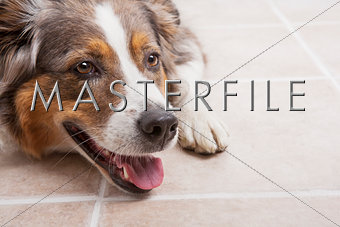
point(70, 151)
point(75, 134)
point(96, 160)
point(99, 153)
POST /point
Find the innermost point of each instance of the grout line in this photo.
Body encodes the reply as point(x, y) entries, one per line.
point(31, 200)
point(98, 204)
point(304, 45)
point(245, 195)
point(100, 199)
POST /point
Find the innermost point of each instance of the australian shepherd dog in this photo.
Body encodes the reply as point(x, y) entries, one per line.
point(79, 44)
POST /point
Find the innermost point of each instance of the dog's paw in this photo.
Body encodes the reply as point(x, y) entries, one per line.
point(202, 132)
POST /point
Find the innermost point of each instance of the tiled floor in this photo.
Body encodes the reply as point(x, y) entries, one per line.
point(300, 151)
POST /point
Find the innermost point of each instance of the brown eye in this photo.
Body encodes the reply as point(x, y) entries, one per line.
point(152, 61)
point(85, 68)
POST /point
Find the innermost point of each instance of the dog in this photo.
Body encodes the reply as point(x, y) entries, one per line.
point(99, 41)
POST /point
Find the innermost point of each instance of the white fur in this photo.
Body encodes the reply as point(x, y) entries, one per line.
point(116, 37)
point(124, 122)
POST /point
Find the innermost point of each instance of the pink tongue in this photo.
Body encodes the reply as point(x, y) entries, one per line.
point(145, 172)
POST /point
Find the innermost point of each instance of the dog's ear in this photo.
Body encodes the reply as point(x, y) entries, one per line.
point(18, 45)
point(164, 16)
point(165, 20)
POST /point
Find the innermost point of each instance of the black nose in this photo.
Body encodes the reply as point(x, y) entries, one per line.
point(158, 126)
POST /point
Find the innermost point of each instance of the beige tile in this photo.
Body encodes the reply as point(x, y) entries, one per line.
point(22, 176)
point(304, 10)
point(233, 212)
point(323, 41)
point(298, 150)
point(223, 13)
point(59, 214)
point(228, 49)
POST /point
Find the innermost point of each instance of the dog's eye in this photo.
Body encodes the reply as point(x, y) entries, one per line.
point(152, 60)
point(85, 68)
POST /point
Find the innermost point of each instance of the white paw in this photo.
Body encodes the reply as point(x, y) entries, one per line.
point(202, 132)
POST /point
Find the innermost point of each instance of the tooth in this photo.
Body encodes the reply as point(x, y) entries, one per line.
point(106, 153)
point(125, 174)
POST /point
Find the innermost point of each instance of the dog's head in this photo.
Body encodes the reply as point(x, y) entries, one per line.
point(73, 41)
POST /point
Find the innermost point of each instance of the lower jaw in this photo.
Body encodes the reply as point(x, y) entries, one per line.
point(109, 170)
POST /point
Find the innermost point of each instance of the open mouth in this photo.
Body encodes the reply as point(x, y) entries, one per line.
point(136, 174)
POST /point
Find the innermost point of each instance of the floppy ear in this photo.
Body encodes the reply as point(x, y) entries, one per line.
point(18, 53)
point(165, 20)
point(165, 15)
point(18, 45)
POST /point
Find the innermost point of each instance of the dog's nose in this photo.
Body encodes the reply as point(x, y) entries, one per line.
point(158, 126)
